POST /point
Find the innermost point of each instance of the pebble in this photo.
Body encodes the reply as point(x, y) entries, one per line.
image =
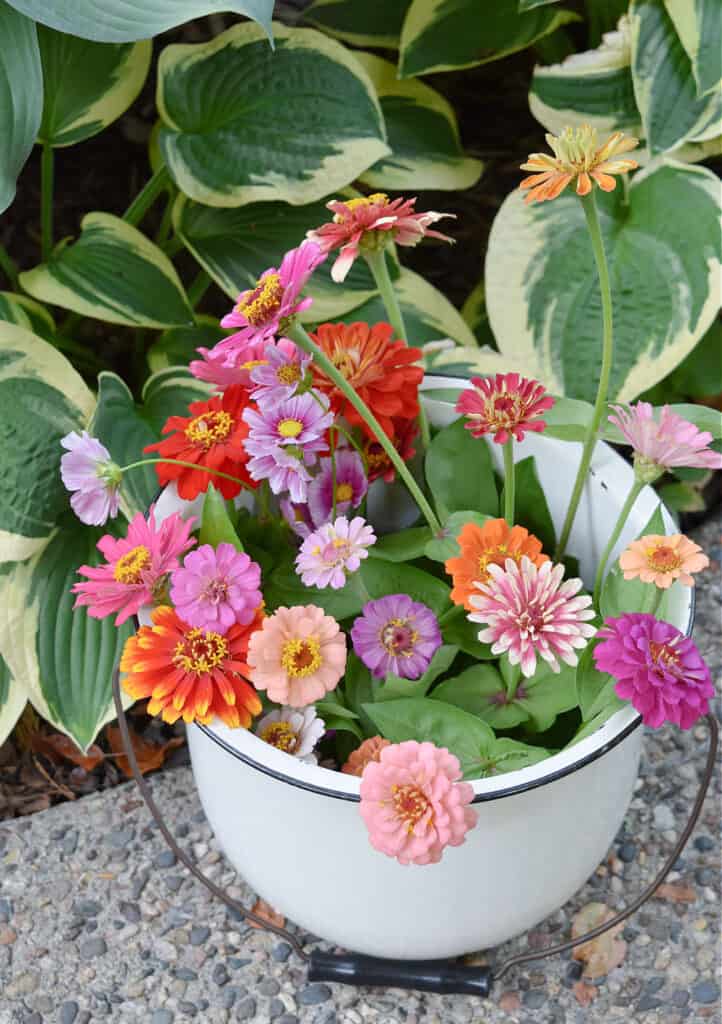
point(87, 908)
point(8, 935)
point(313, 994)
point(269, 987)
point(162, 1017)
point(664, 819)
point(199, 934)
point(281, 952)
point(90, 948)
point(130, 911)
point(704, 844)
point(221, 976)
point(705, 992)
point(246, 1010)
point(627, 852)
point(165, 859)
point(68, 1012)
point(6, 910)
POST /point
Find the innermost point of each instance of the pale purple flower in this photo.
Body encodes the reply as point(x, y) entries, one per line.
point(88, 470)
point(278, 377)
point(351, 486)
point(658, 446)
point(295, 731)
point(216, 588)
point(396, 634)
point(297, 516)
point(333, 550)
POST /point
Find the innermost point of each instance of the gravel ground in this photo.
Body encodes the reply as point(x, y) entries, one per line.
point(97, 921)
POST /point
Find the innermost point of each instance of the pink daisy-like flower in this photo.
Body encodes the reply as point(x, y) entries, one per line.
point(297, 656)
point(262, 311)
point(662, 560)
point(351, 486)
point(657, 668)
point(88, 471)
point(228, 366)
point(216, 587)
point(504, 405)
point(297, 516)
point(396, 634)
point(530, 612)
point(371, 221)
point(281, 373)
point(137, 566)
point(334, 550)
point(414, 804)
point(663, 445)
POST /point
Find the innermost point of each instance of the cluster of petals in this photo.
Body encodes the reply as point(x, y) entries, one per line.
point(136, 568)
point(579, 157)
point(217, 587)
point(505, 405)
point(528, 611)
point(665, 444)
point(379, 465)
point(368, 751)
point(398, 635)
point(482, 546)
point(279, 375)
point(347, 476)
point(93, 478)
point(334, 550)
point(295, 731)
point(298, 517)
point(224, 367)
point(662, 560)
point(414, 804)
point(657, 668)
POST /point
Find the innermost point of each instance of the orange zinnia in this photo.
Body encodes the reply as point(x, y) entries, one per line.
point(578, 157)
point(485, 545)
point(190, 673)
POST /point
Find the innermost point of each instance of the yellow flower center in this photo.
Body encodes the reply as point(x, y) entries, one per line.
point(209, 429)
point(398, 637)
point(200, 651)
point(301, 658)
point(664, 654)
point(253, 363)
point(495, 556)
point(281, 735)
point(344, 492)
point(288, 374)
point(130, 566)
point(353, 204)
point(663, 558)
point(260, 305)
point(290, 428)
point(410, 804)
point(504, 411)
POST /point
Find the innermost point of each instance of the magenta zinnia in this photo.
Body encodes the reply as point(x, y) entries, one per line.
point(217, 587)
point(659, 446)
point(530, 612)
point(504, 405)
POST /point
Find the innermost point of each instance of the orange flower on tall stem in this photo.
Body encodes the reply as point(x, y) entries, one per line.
point(482, 546)
point(578, 157)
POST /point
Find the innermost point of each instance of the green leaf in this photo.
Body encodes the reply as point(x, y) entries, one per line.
point(21, 96)
point(384, 578)
point(543, 294)
point(588, 728)
point(177, 346)
point(396, 686)
point(619, 595)
point(216, 524)
point(681, 497)
point(242, 124)
point(529, 5)
point(359, 688)
point(481, 691)
point(403, 546)
point(698, 26)
point(168, 391)
point(360, 22)
point(112, 273)
point(341, 723)
point(459, 471)
point(700, 374)
point(464, 634)
point(284, 587)
point(134, 19)
point(531, 508)
point(547, 694)
point(445, 544)
point(509, 755)
point(594, 689)
point(26, 312)
point(334, 707)
point(87, 85)
point(12, 701)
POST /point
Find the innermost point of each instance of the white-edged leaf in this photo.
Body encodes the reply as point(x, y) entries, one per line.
point(23, 311)
point(178, 345)
point(360, 22)
point(13, 699)
point(21, 96)
point(699, 27)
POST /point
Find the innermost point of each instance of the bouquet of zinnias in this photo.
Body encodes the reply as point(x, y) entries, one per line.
point(277, 599)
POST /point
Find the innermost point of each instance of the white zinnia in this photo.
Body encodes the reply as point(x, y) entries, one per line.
point(295, 731)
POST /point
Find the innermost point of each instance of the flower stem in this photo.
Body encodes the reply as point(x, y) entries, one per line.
point(590, 212)
point(46, 201)
point(8, 266)
point(147, 196)
point(188, 465)
point(299, 335)
point(332, 441)
point(509, 480)
point(198, 288)
point(618, 527)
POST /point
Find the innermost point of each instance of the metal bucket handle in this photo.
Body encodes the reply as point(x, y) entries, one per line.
point(441, 976)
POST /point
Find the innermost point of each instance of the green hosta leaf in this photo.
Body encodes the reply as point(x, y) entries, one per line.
point(87, 85)
point(619, 595)
point(543, 295)
point(13, 699)
point(216, 524)
point(529, 5)
point(242, 124)
point(21, 96)
point(134, 19)
point(422, 132)
point(112, 273)
point(701, 372)
point(284, 587)
point(395, 686)
point(42, 399)
point(441, 35)
point(403, 546)
point(169, 391)
point(177, 346)
point(531, 508)
point(699, 28)
point(384, 578)
point(445, 544)
point(360, 22)
point(458, 630)
point(480, 690)
point(12, 312)
point(459, 471)
point(26, 312)
point(474, 313)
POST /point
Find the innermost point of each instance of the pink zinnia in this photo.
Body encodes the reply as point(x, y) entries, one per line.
point(672, 442)
point(137, 567)
point(87, 470)
point(504, 405)
point(413, 803)
point(350, 483)
point(529, 611)
point(657, 668)
point(297, 656)
point(279, 375)
point(224, 367)
point(662, 560)
point(217, 587)
point(334, 550)
point(355, 218)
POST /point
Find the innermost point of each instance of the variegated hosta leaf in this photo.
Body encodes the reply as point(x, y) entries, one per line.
point(529, 5)
point(87, 85)
point(442, 35)
point(42, 398)
point(243, 124)
point(13, 699)
point(664, 86)
point(426, 151)
point(236, 246)
point(699, 27)
point(542, 290)
point(25, 312)
point(62, 658)
point(178, 345)
point(21, 96)
point(360, 22)
point(109, 21)
point(169, 393)
point(112, 273)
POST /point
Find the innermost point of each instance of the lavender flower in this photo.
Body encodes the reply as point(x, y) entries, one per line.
point(216, 588)
point(89, 472)
point(332, 551)
point(279, 377)
point(351, 486)
point(396, 634)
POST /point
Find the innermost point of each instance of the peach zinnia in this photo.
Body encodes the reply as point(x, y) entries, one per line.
point(482, 546)
point(662, 560)
point(370, 750)
point(578, 157)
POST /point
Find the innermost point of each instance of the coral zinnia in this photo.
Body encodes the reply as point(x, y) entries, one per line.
point(381, 372)
point(662, 560)
point(370, 750)
point(211, 436)
point(578, 157)
point(190, 673)
point(658, 447)
point(504, 405)
point(482, 546)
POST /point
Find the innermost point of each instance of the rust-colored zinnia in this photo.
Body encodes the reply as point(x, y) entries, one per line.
point(482, 546)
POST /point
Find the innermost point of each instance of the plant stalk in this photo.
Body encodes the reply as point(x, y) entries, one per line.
point(627, 507)
point(188, 465)
point(9, 267)
point(47, 174)
point(147, 196)
point(509, 481)
point(198, 288)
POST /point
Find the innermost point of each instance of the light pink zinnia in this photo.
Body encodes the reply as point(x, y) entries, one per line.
point(529, 611)
point(224, 367)
point(662, 560)
point(413, 803)
point(88, 471)
point(355, 218)
point(672, 442)
point(504, 405)
point(137, 567)
point(217, 587)
point(297, 656)
point(334, 550)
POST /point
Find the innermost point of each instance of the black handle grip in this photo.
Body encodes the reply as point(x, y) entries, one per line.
point(442, 976)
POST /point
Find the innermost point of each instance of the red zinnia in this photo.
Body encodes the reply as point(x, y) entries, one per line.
point(381, 371)
point(378, 464)
point(211, 436)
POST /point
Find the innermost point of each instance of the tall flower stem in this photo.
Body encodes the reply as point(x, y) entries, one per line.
point(188, 465)
point(47, 174)
point(618, 527)
point(147, 196)
point(590, 212)
point(8, 266)
point(299, 335)
point(509, 481)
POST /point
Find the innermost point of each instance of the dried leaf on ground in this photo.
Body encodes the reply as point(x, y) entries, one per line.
point(266, 911)
point(59, 748)
point(149, 755)
point(676, 893)
point(603, 954)
point(583, 993)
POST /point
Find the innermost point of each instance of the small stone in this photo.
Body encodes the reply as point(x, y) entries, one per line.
point(83, 1017)
point(229, 996)
point(185, 974)
point(247, 1009)
point(199, 934)
point(509, 1002)
point(236, 961)
point(139, 883)
point(220, 975)
point(704, 844)
point(68, 1012)
point(165, 859)
point(90, 948)
point(185, 1006)
point(174, 882)
point(120, 837)
point(313, 994)
point(165, 950)
point(162, 1017)
point(664, 820)
point(6, 910)
point(291, 1018)
point(654, 984)
point(705, 876)
point(534, 999)
point(130, 911)
point(680, 997)
point(276, 1008)
point(705, 992)
point(87, 908)
point(269, 987)
point(8, 935)
point(574, 971)
point(33, 1018)
point(627, 852)
point(70, 843)
point(281, 952)
point(647, 1002)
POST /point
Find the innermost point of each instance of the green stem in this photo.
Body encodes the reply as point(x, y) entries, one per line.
point(590, 212)
point(509, 481)
point(618, 527)
point(188, 465)
point(299, 335)
point(147, 196)
point(166, 223)
point(46, 201)
point(198, 288)
point(172, 246)
point(263, 501)
point(9, 267)
point(333, 472)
